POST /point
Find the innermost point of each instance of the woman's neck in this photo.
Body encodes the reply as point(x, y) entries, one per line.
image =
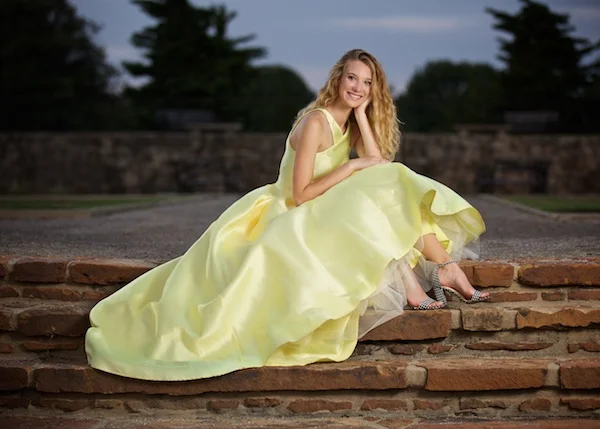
point(341, 114)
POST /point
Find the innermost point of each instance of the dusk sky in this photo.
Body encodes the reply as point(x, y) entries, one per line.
point(310, 35)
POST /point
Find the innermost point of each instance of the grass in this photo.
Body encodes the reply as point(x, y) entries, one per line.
point(559, 203)
point(74, 202)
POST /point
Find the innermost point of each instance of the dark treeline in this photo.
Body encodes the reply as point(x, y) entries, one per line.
point(54, 75)
point(545, 69)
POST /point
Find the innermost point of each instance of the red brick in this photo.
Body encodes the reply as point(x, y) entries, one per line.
point(6, 348)
point(40, 270)
point(51, 344)
point(44, 319)
point(60, 293)
point(64, 404)
point(482, 319)
point(588, 347)
point(508, 346)
point(580, 374)
point(468, 268)
point(414, 325)
point(365, 349)
point(554, 296)
point(424, 404)
point(406, 349)
point(7, 320)
point(582, 404)
point(8, 292)
point(97, 294)
point(313, 405)
point(108, 404)
point(56, 422)
point(222, 404)
point(107, 271)
point(436, 349)
point(560, 274)
point(537, 404)
point(493, 274)
point(364, 375)
point(261, 402)
point(14, 402)
point(391, 424)
point(513, 296)
point(503, 424)
point(585, 295)
point(384, 404)
point(564, 317)
point(14, 375)
point(484, 374)
point(4, 266)
point(473, 404)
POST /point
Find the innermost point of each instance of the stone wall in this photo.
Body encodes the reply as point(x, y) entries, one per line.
point(215, 161)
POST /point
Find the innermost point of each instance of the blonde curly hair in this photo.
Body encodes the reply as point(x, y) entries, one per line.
point(381, 111)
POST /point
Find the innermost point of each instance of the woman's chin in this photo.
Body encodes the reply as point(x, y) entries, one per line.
point(352, 103)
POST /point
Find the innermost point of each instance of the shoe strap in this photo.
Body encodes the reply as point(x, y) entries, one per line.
point(443, 264)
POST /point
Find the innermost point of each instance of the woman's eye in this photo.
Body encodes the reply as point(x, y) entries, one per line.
point(351, 77)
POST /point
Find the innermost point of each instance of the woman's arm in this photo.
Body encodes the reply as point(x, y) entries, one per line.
point(309, 134)
point(365, 144)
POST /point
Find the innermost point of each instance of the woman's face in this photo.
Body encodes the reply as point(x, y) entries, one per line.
point(355, 83)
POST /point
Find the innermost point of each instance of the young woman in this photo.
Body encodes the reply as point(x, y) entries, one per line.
point(296, 271)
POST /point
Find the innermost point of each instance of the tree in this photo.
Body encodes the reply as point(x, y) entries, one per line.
point(545, 64)
point(190, 61)
point(274, 99)
point(52, 75)
point(444, 93)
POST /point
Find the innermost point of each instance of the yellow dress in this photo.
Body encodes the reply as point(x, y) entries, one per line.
point(269, 283)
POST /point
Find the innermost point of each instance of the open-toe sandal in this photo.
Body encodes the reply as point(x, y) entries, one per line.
point(438, 289)
point(426, 305)
point(477, 296)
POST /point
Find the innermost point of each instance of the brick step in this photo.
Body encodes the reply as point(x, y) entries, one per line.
point(434, 387)
point(66, 279)
point(31, 325)
point(108, 420)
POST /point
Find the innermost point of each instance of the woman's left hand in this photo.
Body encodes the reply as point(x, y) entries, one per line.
point(362, 107)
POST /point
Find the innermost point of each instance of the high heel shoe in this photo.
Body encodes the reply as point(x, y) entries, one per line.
point(439, 290)
point(426, 305)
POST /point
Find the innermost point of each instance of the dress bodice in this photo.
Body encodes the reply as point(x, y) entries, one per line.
point(325, 161)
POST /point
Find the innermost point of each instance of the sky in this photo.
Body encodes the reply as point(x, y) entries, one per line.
point(309, 36)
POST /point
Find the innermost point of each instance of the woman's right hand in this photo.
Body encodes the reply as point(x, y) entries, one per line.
point(364, 162)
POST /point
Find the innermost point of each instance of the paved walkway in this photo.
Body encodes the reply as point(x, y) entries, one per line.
point(164, 232)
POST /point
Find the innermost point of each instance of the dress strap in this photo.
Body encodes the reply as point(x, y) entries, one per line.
point(321, 109)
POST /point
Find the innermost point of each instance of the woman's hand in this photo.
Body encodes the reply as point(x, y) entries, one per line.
point(362, 107)
point(364, 162)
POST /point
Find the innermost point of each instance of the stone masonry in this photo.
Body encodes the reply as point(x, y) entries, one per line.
point(232, 161)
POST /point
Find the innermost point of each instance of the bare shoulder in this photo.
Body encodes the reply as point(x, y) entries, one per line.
point(310, 128)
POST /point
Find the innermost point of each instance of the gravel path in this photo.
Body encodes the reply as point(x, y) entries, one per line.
point(164, 232)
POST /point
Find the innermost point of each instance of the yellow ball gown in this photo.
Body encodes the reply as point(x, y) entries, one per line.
point(269, 283)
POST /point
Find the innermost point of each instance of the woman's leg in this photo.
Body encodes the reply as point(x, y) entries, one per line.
point(415, 293)
point(450, 275)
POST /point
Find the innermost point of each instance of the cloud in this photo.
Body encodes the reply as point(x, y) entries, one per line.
point(122, 53)
point(397, 24)
point(584, 13)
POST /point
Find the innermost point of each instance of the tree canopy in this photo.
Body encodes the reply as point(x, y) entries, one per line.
point(444, 93)
point(52, 75)
point(190, 62)
point(274, 99)
point(546, 67)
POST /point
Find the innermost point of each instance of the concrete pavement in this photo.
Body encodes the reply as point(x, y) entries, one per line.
point(166, 231)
